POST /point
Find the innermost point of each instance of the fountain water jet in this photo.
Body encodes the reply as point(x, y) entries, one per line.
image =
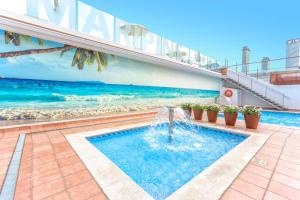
point(171, 123)
point(172, 130)
point(172, 116)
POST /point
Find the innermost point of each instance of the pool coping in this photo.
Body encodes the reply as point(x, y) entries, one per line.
point(210, 184)
point(269, 124)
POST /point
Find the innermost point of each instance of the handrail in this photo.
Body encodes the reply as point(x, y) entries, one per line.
point(262, 82)
point(257, 80)
point(253, 81)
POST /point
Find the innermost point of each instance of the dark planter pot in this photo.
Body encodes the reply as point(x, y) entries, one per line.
point(230, 118)
point(198, 114)
point(188, 112)
point(252, 121)
point(212, 116)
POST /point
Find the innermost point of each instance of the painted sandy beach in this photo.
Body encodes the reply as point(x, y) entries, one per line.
point(40, 99)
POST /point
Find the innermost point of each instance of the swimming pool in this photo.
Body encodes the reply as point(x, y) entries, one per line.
point(161, 167)
point(279, 118)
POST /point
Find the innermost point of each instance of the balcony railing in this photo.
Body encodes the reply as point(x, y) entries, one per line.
point(266, 71)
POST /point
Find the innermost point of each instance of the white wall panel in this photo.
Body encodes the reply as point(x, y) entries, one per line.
point(16, 6)
point(152, 43)
point(95, 22)
point(64, 15)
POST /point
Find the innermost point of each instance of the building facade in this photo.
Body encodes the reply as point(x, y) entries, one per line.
point(245, 58)
point(293, 54)
point(265, 64)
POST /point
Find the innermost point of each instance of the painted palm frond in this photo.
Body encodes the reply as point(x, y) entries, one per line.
point(13, 38)
point(40, 42)
point(89, 57)
point(16, 38)
point(101, 60)
point(25, 38)
point(81, 56)
point(76, 57)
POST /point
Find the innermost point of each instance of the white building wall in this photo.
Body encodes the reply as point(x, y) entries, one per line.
point(95, 22)
point(76, 15)
point(293, 50)
point(246, 98)
point(16, 6)
point(64, 15)
point(234, 100)
point(141, 73)
point(152, 43)
point(241, 98)
point(291, 102)
point(293, 94)
point(82, 17)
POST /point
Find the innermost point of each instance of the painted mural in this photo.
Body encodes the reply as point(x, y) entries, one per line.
point(41, 79)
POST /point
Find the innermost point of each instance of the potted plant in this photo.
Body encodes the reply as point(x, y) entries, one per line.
point(212, 112)
point(230, 114)
point(252, 116)
point(187, 107)
point(198, 111)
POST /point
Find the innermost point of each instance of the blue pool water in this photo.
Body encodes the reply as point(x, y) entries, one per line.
point(158, 166)
point(41, 94)
point(279, 118)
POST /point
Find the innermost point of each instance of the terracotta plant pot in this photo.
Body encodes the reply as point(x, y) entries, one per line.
point(188, 112)
point(230, 118)
point(212, 116)
point(198, 114)
point(252, 121)
point(224, 71)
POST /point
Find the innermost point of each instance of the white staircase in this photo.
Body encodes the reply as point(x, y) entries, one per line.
point(260, 89)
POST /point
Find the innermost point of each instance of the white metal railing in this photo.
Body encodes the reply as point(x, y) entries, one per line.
point(260, 87)
point(262, 70)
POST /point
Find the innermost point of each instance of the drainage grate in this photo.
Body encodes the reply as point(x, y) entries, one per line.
point(9, 185)
point(260, 161)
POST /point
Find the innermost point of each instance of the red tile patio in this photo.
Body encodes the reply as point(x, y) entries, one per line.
point(50, 169)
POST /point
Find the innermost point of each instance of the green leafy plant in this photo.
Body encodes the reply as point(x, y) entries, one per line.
point(213, 107)
point(198, 107)
point(251, 110)
point(230, 109)
point(186, 106)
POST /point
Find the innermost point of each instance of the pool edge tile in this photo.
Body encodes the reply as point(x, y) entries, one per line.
point(224, 171)
point(115, 184)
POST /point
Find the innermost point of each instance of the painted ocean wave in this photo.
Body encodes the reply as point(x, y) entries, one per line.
point(33, 99)
point(102, 98)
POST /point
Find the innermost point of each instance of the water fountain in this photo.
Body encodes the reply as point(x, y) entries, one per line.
point(172, 130)
point(171, 122)
point(174, 118)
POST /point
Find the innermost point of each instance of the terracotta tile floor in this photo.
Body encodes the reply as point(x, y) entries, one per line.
point(50, 169)
point(7, 146)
